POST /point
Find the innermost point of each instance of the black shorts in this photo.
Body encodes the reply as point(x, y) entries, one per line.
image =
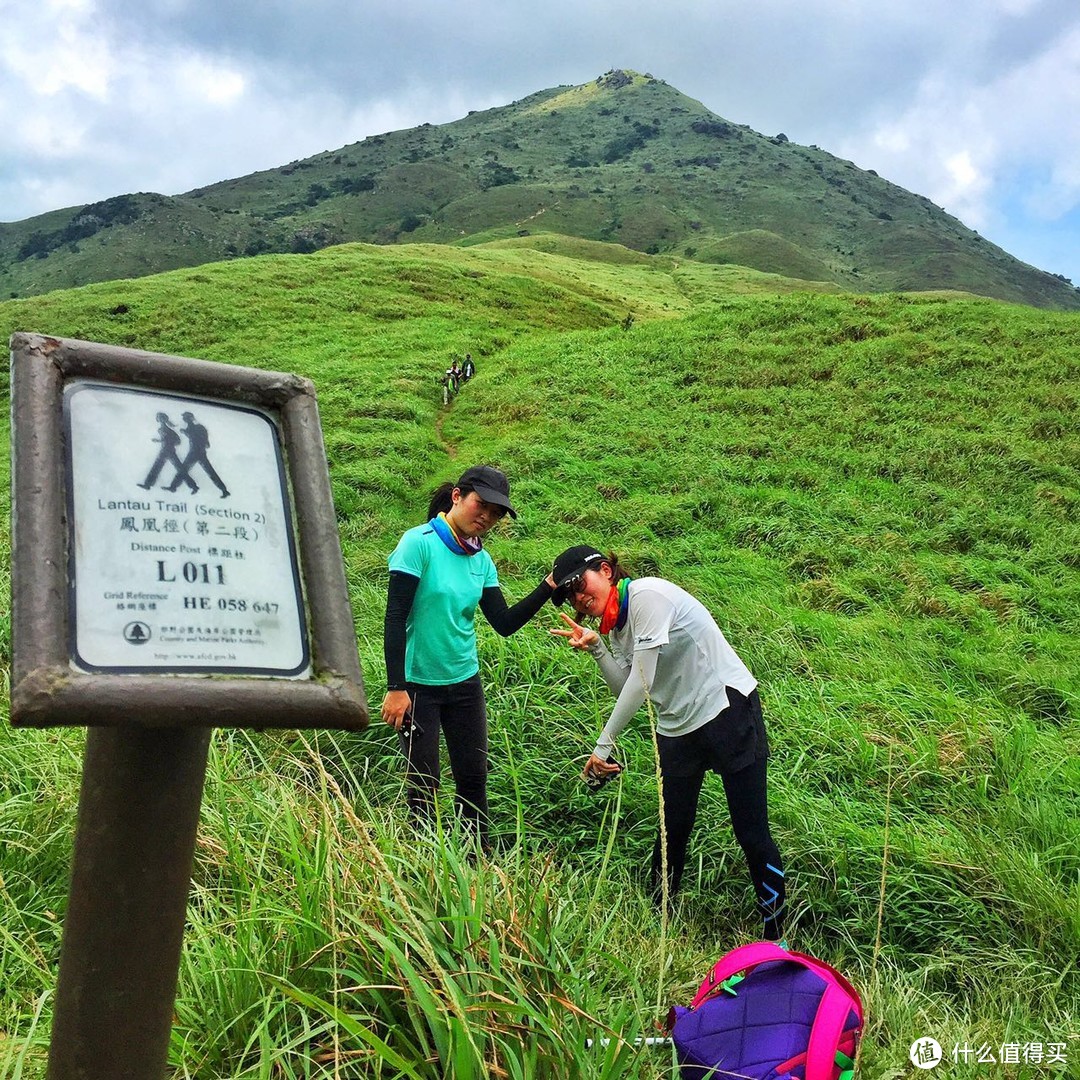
point(727, 743)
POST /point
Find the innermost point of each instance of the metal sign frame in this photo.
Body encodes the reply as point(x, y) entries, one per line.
point(48, 689)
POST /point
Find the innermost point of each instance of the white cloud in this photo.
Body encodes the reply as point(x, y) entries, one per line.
point(939, 146)
point(1039, 107)
point(77, 55)
point(969, 188)
point(45, 135)
point(216, 84)
point(965, 141)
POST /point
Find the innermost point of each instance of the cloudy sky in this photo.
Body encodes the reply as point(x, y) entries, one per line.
point(973, 103)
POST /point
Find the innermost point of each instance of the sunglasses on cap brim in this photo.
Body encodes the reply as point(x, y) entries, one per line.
point(572, 586)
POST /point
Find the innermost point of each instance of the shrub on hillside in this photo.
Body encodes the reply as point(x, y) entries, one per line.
point(313, 237)
point(121, 210)
point(717, 128)
point(495, 174)
point(625, 145)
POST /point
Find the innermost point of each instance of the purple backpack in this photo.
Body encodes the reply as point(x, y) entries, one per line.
point(769, 1014)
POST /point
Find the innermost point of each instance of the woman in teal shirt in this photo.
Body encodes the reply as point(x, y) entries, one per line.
point(439, 575)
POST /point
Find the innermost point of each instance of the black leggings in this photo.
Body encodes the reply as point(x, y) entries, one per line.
point(458, 711)
point(684, 761)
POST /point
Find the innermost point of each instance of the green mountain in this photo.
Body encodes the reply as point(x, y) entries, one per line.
point(624, 159)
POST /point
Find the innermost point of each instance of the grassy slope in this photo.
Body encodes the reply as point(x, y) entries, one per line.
point(878, 498)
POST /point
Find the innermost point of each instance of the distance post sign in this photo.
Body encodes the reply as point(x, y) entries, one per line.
point(162, 586)
point(182, 558)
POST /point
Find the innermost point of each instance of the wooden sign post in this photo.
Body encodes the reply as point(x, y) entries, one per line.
point(176, 567)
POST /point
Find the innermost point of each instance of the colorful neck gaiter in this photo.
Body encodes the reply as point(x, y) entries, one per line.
point(618, 606)
point(459, 545)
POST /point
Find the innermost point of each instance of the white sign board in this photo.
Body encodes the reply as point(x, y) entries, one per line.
point(182, 555)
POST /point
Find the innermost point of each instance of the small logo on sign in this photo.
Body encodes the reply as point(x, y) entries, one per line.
point(136, 633)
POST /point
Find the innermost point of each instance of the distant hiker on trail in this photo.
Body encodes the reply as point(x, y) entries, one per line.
point(665, 645)
point(451, 380)
point(170, 440)
point(439, 574)
point(198, 443)
point(469, 368)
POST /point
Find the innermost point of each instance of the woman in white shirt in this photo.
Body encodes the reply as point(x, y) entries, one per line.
point(663, 644)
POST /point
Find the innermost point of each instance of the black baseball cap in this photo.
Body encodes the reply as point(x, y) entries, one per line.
point(571, 564)
point(490, 484)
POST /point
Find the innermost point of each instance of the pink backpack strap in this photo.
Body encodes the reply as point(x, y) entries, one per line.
point(740, 959)
point(825, 1034)
point(837, 1003)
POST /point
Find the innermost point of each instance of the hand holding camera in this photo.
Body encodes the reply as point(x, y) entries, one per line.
point(597, 773)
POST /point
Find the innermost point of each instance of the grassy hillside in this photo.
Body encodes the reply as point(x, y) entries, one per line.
point(624, 158)
point(876, 496)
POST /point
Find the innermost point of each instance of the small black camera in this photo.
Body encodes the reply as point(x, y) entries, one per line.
point(595, 783)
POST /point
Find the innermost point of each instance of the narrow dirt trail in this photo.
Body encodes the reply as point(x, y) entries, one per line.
point(449, 447)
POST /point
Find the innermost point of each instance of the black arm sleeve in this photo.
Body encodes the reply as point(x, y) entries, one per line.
point(399, 601)
point(508, 620)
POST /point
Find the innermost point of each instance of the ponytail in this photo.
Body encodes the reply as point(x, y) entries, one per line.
point(441, 500)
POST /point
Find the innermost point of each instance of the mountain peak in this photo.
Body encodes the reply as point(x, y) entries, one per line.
point(617, 78)
point(625, 158)
point(602, 88)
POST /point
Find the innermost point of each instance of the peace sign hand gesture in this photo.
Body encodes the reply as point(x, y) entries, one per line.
point(580, 637)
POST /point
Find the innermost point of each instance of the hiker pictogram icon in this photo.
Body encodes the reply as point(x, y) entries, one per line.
point(198, 443)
